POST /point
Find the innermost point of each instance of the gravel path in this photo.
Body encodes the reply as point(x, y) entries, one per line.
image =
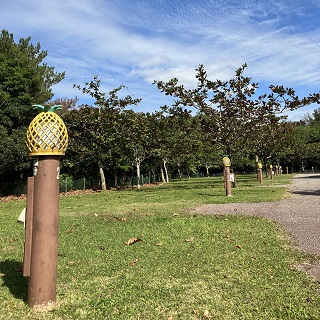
point(299, 215)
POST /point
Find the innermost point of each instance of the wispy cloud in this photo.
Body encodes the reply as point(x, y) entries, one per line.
point(135, 42)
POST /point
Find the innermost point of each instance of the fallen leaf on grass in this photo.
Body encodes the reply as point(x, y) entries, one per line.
point(132, 241)
point(206, 314)
point(189, 240)
point(134, 262)
point(120, 219)
point(158, 244)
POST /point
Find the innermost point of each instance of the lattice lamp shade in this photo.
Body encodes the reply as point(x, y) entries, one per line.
point(226, 162)
point(47, 135)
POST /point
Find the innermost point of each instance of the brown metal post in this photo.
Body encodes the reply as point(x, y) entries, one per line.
point(28, 231)
point(43, 271)
point(271, 172)
point(260, 175)
point(227, 181)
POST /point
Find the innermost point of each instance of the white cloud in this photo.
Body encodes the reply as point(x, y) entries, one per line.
point(136, 42)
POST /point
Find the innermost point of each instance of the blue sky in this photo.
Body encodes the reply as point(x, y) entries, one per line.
point(134, 42)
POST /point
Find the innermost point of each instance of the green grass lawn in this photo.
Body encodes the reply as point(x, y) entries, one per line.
point(185, 266)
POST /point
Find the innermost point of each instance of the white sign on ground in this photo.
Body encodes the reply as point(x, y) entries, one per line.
point(22, 217)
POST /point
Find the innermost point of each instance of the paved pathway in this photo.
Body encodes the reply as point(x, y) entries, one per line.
point(299, 214)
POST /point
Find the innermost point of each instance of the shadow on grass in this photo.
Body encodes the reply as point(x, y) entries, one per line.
point(11, 275)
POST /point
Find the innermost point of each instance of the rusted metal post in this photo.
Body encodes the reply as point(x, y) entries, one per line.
point(260, 175)
point(226, 162)
point(28, 231)
point(43, 268)
point(228, 183)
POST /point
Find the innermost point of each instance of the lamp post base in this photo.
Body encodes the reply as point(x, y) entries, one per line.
point(44, 250)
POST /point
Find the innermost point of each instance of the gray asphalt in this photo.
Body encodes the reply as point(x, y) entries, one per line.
point(299, 214)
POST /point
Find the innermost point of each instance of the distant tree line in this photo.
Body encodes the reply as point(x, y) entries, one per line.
point(109, 140)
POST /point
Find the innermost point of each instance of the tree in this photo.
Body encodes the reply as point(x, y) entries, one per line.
point(184, 140)
point(306, 146)
point(97, 130)
point(228, 108)
point(209, 153)
point(136, 132)
point(24, 79)
point(271, 143)
point(159, 143)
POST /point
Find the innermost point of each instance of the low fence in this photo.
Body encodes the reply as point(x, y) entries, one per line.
point(85, 183)
point(66, 184)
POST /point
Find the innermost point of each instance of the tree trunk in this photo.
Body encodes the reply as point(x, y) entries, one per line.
point(265, 166)
point(165, 171)
point(102, 177)
point(162, 174)
point(138, 174)
point(116, 181)
point(207, 170)
point(179, 172)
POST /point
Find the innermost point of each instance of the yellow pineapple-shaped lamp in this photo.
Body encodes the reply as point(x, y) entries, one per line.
point(226, 161)
point(47, 133)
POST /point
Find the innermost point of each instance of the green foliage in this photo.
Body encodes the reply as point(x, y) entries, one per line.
point(96, 132)
point(306, 147)
point(229, 110)
point(24, 79)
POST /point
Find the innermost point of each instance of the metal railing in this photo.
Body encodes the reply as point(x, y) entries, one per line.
point(66, 184)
